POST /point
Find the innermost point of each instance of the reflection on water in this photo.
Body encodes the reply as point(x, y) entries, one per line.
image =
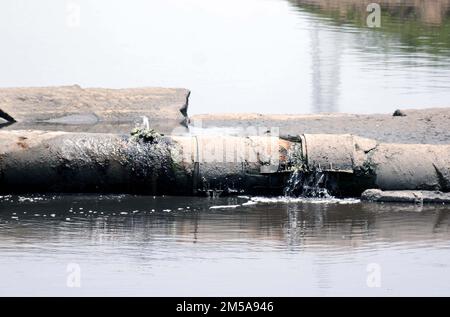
point(269, 56)
point(421, 25)
point(180, 246)
point(325, 67)
point(413, 34)
point(434, 12)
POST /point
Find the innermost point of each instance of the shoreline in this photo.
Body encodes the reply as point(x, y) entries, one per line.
point(423, 126)
point(97, 110)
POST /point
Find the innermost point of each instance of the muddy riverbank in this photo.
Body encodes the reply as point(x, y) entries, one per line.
point(77, 109)
point(425, 126)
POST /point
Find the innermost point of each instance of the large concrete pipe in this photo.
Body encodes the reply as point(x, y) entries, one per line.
point(345, 165)
point(145, 163)
point(353, 164)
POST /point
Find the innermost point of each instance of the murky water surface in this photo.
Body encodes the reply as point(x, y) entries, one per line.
point(126, 245)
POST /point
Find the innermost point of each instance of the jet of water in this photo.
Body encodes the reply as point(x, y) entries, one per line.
point(311, 184)
point(145, 122)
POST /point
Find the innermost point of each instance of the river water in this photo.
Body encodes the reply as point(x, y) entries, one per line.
point(126, 245)
point(270, 56)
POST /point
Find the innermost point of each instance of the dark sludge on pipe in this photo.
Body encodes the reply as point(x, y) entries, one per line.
point(149, 163)
point(43, 161)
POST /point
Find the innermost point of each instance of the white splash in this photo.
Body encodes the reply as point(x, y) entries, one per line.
point(293, 200)
point(145, 122)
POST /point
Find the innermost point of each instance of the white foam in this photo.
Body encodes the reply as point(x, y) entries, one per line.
point(224, 207)
point(249, 203)
point(289, 200)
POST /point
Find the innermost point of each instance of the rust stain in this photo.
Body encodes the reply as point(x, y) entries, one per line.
point(22, 143)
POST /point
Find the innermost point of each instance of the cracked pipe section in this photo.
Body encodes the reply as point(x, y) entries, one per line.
point(355, 164)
